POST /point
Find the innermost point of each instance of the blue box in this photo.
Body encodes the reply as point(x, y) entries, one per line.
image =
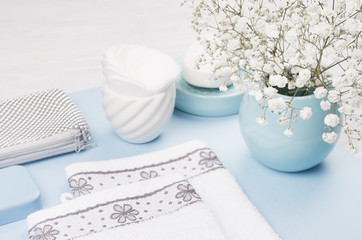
point(19, 195)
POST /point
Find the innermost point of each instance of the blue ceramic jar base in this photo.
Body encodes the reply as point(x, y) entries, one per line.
point(207, 102)
point(268, 144)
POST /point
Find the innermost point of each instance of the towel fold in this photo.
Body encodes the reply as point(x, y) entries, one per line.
point(164, 208)
point(196, 163)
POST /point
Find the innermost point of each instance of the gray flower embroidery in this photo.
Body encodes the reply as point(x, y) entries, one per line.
point(80, 187)
point(209, 159)
point(187, 192)
point(124, 213)
point(47, 233)
point(149, 175)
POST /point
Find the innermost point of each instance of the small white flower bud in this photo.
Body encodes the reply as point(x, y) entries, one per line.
point(331, 120)
point(288, 132)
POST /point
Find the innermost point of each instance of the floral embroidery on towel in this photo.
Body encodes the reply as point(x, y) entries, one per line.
point(45, 233)
point(191, 164)
point(187, 192)
point(148, 175)
point(209, 159)
point(80, 187)
point(124, 213)
point(114, 213)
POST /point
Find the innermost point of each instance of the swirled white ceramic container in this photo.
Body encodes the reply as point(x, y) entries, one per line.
point(139, 91)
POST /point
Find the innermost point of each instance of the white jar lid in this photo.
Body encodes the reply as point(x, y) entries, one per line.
point(135, 70)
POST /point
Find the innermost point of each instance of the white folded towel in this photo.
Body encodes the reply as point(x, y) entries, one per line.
point(197, 163)
point(164, 208)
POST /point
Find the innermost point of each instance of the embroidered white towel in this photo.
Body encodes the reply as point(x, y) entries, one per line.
point(197, 163)
point(164, 208)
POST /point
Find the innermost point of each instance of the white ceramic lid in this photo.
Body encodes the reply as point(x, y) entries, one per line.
point(135, 70)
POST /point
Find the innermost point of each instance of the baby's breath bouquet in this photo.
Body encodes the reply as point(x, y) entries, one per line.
point(291, 47)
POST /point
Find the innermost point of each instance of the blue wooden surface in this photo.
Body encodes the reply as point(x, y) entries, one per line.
point(322, 203)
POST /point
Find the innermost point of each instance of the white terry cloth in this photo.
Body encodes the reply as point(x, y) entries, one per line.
point(197, 163)
point(164, 208)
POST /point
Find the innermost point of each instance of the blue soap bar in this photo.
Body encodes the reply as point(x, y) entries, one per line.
point(19, 195)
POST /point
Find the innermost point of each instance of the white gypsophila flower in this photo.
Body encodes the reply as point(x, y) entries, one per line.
point(327, 12)
point(268, 68)
point(235, 78)
point(223, 3)
point(278, 70)
point(241, 88)
point(340, 45)
point(354, 92)
point(291, 85)
point(291, 36)
point(353, 150)
point(271, 30)
point(351, 6)
point(261, 121)
point(235, 60)
point(289, 54)
point(331, 120)
point(225, 71)
point(223, 88)
point(306, 113)
point(270, 92)
point(311, 61)
point(282, 4)
point(258, 95)
point(342, 109)
point(276, 103)
point(283, 121)
point(296, 19)
point(304, 74)
point(351, 26)
point(295, 70)
point(299, 83)
point(255, 41)
point(257, 76)
point(351, 73)
point(330, 53)
point(288, 132)
point(241, 25)
point(253, 86)
point(330, 137)
point(338, 82)
point(357, 122)
point(320, 92)
point(355, 101)
point(233, 44)
point(322, 29)
point(295, 60)
point(325, 105)
point(255, 63)
point(333, 96)
point(277, 80)
point(242, 63)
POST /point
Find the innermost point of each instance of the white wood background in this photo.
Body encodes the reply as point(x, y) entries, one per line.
point(59, 43)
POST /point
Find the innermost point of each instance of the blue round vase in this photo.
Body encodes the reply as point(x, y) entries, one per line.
point(268, 144)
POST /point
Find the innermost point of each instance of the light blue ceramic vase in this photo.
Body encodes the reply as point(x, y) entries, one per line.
point(269, 145)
